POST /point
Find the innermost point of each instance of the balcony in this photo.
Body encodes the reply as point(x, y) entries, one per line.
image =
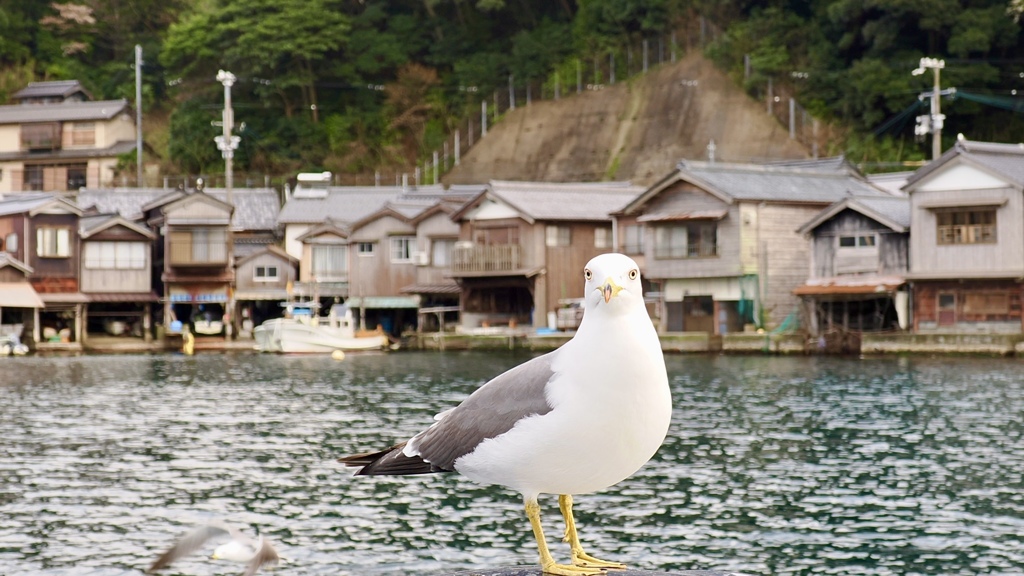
point(478, 258)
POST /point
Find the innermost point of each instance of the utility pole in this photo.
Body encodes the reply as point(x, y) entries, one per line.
point(933, 121)
point(227, 143)
point(138, 114)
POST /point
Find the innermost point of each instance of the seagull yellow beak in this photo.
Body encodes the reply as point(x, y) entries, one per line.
point(610, 289)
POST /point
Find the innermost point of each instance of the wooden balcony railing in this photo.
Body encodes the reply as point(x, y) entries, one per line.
point(486, 258)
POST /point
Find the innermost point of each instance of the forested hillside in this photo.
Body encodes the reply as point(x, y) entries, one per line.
point(355, 86)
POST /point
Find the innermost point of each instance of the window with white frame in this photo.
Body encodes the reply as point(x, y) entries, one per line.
point(366, 248)
point(558, 236)
point(265, 274)
point(603, 237)
point(115, 255)
point(329, 262)
point(401, 248)
point(53, 242)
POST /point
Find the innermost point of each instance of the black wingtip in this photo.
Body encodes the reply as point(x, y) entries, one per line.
point(389, 462)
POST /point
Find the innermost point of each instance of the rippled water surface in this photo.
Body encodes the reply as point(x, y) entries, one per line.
point(773, 465)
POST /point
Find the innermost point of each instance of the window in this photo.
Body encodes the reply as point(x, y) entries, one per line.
point(199, 246)
point(83, 134)
point(115, 255)
point(691, 240)
point(365, 248)
point(496, 236)
point(966, 226)
point(634, 240)
point(53, 242)
point(857, 241)
point(265, 274)
point(441, 251)
point(11, 242)
point(41, 136)
point(330, 262)
point(401, 248)
point(987, 303)
point(602, 237)
point(33, 179)
point(558, 236)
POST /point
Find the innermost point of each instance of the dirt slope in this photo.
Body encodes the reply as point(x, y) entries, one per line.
point(630, 131)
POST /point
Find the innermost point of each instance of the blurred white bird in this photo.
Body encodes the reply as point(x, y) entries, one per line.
point(240, 548)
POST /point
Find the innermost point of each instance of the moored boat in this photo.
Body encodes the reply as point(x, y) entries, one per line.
point(312, 334)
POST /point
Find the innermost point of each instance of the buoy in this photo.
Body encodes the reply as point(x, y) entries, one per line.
point(338, 355)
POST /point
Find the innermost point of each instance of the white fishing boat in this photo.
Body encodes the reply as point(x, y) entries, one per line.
point(302, 331)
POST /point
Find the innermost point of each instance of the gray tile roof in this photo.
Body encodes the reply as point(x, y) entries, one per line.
point(776, 184)
point(62, 112)
point(255, 208)
point(72, 153)
point(1004, 159)
point(581, 201)
point(895, 208)
point(24, 202)
point(348, 204)
point(50, 89)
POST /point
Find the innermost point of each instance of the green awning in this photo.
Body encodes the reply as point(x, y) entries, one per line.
point(383, 302)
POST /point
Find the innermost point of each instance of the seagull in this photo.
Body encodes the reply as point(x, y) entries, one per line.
point(240, 548)
point(573, 421)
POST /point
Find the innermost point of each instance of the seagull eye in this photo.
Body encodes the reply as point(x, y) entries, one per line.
point(588, 274)
point(633, 274)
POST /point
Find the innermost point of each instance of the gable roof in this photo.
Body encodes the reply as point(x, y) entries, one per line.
point(550, 201)
point(6, 259)
point(33, 203)
point(93, 224)
point(329, 226)
point(1005, 160)
point(268, 249)
point(62, 112)
point(50, 89)
point(890, 211)
point(255, 208)
point(761, 183)
point(349, 204)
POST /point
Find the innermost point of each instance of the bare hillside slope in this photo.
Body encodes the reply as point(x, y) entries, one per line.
point(630, 131)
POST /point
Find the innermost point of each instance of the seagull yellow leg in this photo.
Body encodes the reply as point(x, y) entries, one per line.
point(547, 563)
point(579, 557)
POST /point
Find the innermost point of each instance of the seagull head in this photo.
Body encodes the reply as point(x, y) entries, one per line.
point(613, 281)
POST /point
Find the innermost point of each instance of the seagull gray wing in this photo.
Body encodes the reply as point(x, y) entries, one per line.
point(265, 554)
point(489, 412)
point(193, 541)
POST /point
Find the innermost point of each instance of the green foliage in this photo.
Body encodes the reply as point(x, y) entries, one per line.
point(357, 86)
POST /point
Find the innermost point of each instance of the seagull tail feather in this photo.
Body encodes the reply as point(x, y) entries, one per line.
point(389, 462)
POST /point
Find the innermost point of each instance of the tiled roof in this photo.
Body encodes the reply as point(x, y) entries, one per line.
point(895, 208)
point(28, 201)
point(65, 154)
point(348, 204)
point(49, 89)
point(584, 201)
point(62, 112)
point(1004, 159)
point(255, 208)
point(776, 184)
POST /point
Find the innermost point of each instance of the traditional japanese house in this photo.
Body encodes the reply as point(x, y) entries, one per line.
point(967, 240)
point(858, 264)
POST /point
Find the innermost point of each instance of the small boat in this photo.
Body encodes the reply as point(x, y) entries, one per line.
point(302, 331)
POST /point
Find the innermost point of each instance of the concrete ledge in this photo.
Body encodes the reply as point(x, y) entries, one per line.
point(1001, 344)
point(535, 571)
point(686, 342)
point(764, 343)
